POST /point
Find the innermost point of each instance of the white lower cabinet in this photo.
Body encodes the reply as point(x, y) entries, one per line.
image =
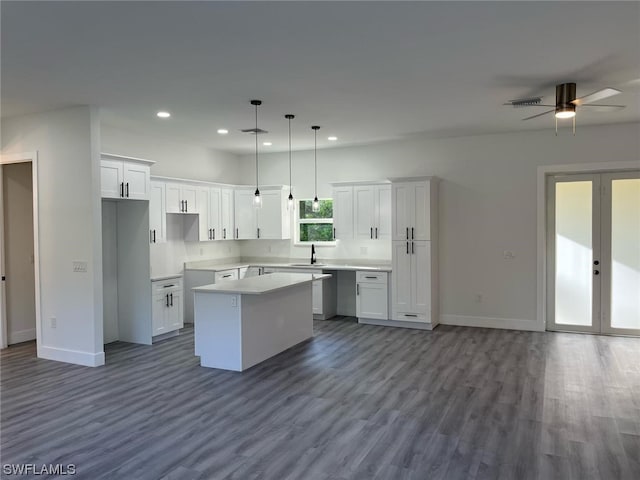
point(231, 274)
point(372, 294)
point(167, 308)
point(412, 282)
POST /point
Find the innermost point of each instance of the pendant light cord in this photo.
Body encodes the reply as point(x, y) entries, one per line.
point(290, 186)
point(315, 159)
point(256, 147)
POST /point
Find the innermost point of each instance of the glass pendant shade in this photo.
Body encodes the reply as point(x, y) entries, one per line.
point(291, 204)
point(315, 206)
point(257, 199)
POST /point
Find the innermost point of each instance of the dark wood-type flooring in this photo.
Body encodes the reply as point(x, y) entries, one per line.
point(356, 402)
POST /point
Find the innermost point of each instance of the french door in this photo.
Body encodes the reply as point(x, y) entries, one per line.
point(593, 253)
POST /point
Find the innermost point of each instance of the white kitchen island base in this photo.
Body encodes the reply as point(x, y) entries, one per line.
point(241, 323)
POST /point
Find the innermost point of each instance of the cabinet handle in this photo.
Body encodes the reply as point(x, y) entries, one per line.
point(373, 278)
point(226, 276)
point(411, 233)
point(213, 230)
point(186, 205)
point(334, 233)
point(182, 205)
point(376, 232)
point(150, 236)
point(168, 286)
point(412, 249)
point(171, 295)
point(258, 233)
point(407, 233)
point(224, 233)
point(154, 235)
point(167, 297)
point(410, 315)
point(371, 232)
point(127, 189)
point(357, 289)
point(122, 189)
point(407, 248)
point(596, 272)
point(237, 233)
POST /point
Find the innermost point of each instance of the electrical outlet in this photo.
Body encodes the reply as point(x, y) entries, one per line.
point(53, 322)
point(79, 266)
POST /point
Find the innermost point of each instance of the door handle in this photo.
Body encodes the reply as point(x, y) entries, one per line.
point(407, 233)
point(407, 248)
point(376, 232)
point(224, 233)
point(127, 189)
point(334, 233)
point(213, 230)
point(186, 205)
point(412, 233)
point(596, 272)
point(182, 205)
point(167, 297)
point(122, 189)
point(171, 295)
point(357, 289)
point(237, 233)
point(371, 232)
point(154, 235)
point(412, 249)
point(258, 232)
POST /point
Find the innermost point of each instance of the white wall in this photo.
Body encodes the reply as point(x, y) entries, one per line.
point(175, 159)
point(67, 142)
point(17, 205)
point(487, 203)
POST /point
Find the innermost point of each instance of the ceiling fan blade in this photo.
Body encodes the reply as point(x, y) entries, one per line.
point(518, 105)
point(595, 96)
point(603, 108)
point(539, 115)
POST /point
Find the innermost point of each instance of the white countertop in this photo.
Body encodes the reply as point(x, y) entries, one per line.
point(159, 278)
point(262, 284)
point(294, 265)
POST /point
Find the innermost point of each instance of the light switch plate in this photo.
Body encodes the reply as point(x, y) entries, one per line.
point(79, 266)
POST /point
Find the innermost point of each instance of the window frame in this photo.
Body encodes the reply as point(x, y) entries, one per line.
point(298, 221)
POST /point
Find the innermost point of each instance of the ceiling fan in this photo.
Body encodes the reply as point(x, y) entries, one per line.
point(566, 102)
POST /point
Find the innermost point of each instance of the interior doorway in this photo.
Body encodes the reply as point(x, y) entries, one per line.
point(593, 253)
point(19, 249)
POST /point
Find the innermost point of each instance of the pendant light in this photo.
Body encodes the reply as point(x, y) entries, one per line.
point(291, 203)
point(257, 199)
point(315, 206)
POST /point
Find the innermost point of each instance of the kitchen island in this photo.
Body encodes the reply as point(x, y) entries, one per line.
point(240, 323)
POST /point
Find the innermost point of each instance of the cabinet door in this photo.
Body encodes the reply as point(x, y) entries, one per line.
point(421, 211)
point(343, 213)
point(371, 301)
point(421, 277)
point(111, 174)
point(136, 181)
point(270, 215)
point(189, 194)
point(175, 316)
point(202, 202)
point(245, 215)
point(158, 314)
point(157, 217)
point(227, 213)
point(364, 212)
point(401, 277)
point(402, 210)
point(173, 198)
point(383, 212)
point(317, 304)
point(214, 214)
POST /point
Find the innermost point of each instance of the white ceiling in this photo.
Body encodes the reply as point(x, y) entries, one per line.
point(364, 71)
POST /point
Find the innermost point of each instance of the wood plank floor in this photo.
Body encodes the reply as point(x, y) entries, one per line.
point(356, 402)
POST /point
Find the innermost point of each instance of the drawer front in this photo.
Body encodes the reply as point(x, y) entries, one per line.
point(223, 275)
point(166, 286)
point(371, 277)
point(410, 317)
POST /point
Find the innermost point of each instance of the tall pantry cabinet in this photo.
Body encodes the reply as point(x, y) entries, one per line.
point(414, 278)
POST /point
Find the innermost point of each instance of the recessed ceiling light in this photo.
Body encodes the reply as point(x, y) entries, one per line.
point(163, 114)
point(223, 131)
point(332, 139)
point(267, 144)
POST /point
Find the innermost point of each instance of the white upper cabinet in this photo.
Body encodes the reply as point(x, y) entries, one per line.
point(343, 212)
point(227, 213)
point(125, 177)
point(411, 210)
point(181, 198)
point(245, 215)
point(213, 228)
point(157, 214)
point(372, 212)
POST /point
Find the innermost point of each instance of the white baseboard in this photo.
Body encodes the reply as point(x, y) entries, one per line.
point(22, 336)
point(490, 322)
point(71, 356)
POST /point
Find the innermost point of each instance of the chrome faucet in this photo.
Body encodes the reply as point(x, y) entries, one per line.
point(313, 254)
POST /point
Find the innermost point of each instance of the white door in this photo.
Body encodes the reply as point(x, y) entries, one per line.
point(343, 213)
point(421, 209)
point(401, 277)
point(111, 174)
point(173, 199)
point(270, 215)
point(383, 212)
point(226, 213)
point(593, 253)
point(174, 318)
point(203, 199)
point(421, 278)
point(157, 217)
point(364, 212)
point(371, 301)
point(245, 215)
point(136, 181)
point(159, 314)
point(214, 214)
point(403, 209)
point(189, 194)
